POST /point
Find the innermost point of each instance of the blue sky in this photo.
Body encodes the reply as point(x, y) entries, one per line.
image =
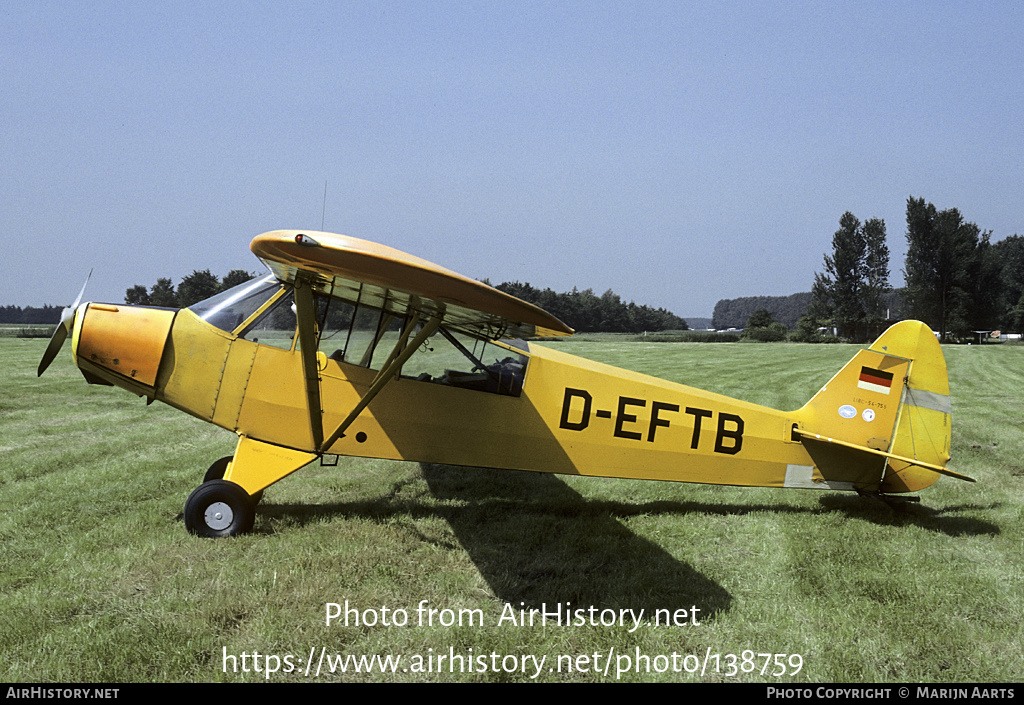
point(675, 152)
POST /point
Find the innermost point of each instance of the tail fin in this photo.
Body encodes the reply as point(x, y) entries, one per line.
point(891, 403)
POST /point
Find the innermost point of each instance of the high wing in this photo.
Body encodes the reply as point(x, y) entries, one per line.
point(369, 274)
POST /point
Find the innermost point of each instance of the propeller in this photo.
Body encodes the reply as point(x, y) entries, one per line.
point(60, 334)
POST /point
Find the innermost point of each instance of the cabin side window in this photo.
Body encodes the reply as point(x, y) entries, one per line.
point(367, 336)
point(457, 360)
point(275, 325)
point(350, 333)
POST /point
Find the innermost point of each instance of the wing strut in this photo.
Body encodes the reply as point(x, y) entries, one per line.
point(387, 373)
point(305, 308)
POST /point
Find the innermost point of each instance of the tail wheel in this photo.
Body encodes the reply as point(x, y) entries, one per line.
point(217, 470)
point(219, 508)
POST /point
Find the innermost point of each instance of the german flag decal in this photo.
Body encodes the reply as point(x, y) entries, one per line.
point(875, 380)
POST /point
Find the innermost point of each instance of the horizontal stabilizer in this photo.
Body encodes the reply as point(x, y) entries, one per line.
point(892, 456)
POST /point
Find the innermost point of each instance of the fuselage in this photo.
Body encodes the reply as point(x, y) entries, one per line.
point(566, 414)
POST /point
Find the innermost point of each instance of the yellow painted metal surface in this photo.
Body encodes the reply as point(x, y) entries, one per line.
point(257, 465)
point(193, 367)
point(234, 383)
point(925, 421)
point(127, 341)
point(574, 416)
point(854, 406)
point(274, 408)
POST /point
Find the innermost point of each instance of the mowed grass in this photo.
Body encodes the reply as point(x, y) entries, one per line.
point(99, 581)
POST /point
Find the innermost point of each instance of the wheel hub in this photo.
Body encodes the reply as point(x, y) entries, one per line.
point(219, 516)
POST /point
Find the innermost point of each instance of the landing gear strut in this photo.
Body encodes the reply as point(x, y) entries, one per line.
point(217, 470)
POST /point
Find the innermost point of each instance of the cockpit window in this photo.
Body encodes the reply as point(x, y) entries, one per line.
point(229, 309)
point(263, 311)
point(274, 325)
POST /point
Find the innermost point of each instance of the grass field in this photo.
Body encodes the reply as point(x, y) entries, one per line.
point(101, 582)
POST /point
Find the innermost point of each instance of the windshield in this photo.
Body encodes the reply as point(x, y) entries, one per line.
point(228, 309)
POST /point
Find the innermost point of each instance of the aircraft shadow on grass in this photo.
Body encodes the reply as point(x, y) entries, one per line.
point(535, 540)
point(940, 520)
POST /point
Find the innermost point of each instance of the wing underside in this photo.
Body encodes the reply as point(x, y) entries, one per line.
point(364, 274)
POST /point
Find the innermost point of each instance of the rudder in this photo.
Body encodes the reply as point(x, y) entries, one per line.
point(924, 424)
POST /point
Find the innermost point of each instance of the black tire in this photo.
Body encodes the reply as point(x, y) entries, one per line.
point(219, 508)
point(217, 470)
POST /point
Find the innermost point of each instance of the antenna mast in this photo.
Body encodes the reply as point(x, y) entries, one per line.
point(324, 213)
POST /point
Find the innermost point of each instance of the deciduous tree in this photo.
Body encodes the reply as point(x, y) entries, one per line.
point(137, 295)
point(235, 277)
point(850, 291)
point(197, 286)
point(162, 294)
point(946, 269)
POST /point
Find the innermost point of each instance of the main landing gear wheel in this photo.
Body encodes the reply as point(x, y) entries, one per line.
point(219, 508)
point(217, 470)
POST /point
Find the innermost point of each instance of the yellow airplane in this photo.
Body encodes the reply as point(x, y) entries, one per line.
point(350, 348)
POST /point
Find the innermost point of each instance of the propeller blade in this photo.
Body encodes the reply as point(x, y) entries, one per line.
point(62, 331)
point(56, 341)
point(74, 306)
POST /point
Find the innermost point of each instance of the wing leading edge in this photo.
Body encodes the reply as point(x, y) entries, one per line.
point(362, 272)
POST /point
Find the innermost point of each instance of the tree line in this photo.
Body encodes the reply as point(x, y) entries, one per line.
point(957, 281)
point(790, 311)
point(30, 315)
point(585, 311)
point(734, 313)
point(196, 287)
point(582, 310)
